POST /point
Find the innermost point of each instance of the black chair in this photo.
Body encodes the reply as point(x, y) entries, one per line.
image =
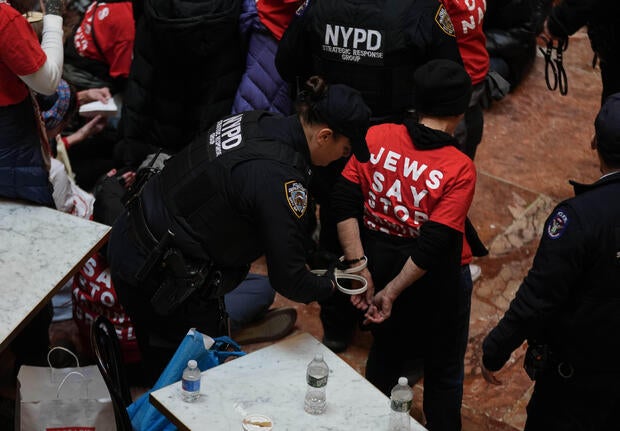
point(107, 349)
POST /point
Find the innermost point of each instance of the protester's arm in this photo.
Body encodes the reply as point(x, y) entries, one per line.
point(46, 79)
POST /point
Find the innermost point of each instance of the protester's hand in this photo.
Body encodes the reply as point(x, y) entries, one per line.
point(94, 126)
point(363, 300)
point(489, 376)
point(101, 94)
point(380, 309)
point(126, 179)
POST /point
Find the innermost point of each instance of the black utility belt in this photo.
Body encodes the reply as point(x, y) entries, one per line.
point(176, 278)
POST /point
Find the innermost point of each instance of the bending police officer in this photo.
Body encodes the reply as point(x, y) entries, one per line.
point(237, 192)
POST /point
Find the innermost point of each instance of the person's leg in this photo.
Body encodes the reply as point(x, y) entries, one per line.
point(251, 320)
point(249, 301)
point(444, 364)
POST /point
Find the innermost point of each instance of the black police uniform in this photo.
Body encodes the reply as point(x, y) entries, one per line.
point(235, 193)
point(372, 46)
point(602, 18)
point(568, 306)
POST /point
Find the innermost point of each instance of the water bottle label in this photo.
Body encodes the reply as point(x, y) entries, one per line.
point(316, 382)
point(401, 406)
point(191, 385)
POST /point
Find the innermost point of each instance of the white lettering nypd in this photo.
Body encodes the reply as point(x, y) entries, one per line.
point(227, 134)
point(351, 44)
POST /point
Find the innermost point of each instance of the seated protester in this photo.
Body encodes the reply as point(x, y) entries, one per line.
point(84, 147)
point(25, 65)
point(100, 52)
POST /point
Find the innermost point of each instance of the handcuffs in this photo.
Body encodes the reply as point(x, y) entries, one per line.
point(347, 274)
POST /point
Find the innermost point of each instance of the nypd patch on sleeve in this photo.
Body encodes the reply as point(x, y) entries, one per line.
point(297, 197)
point(444, 22)
point(557, 224)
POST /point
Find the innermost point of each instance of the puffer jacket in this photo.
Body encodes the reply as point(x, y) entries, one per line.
point(23, 170)
point(188, 61)
point(261, 86)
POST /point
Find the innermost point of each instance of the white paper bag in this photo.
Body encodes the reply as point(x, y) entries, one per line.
point(63, 399)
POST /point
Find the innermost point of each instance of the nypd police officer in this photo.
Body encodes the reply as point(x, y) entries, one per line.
point(568, 306)
point(235, 193)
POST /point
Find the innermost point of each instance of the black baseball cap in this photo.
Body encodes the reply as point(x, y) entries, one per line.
point(346, 113)
point(607, 129)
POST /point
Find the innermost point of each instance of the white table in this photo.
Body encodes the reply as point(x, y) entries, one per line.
point(272, 381)
point(40, 249)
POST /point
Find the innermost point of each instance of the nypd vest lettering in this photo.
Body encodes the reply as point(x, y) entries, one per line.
point(355, 45)
point(196, 182)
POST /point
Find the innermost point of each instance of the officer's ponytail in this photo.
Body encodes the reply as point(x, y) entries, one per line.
point(314, 91)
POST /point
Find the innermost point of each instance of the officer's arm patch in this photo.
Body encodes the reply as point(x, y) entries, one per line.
point(444, 22)
point(297, 197)
point(557, 224)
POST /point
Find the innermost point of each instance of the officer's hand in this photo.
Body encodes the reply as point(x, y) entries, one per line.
point(545, 35)
point(489, 376)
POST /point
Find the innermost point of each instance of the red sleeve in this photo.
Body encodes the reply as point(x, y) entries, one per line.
point(116, 36)
point(451, 210)
point(351, 172)
point(20, 50)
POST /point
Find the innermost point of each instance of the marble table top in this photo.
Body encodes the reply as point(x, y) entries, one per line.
point(272, 381)
point(40, 249)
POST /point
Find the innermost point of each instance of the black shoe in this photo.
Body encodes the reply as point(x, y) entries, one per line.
point(336, 344)
point(276, 324)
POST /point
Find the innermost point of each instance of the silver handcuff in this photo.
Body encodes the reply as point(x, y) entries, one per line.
point(348, 274)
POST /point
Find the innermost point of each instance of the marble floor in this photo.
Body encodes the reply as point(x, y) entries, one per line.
point(535, 140)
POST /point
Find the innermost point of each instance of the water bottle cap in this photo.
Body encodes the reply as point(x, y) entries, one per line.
point(318, 357)
point(192, 363)
point(403, 381)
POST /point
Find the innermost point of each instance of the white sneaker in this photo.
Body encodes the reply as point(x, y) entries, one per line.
point(476, 271)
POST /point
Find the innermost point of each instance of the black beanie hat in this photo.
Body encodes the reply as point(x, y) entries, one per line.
point(441, 88)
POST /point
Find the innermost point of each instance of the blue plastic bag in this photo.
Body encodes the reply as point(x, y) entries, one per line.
point(145, 417)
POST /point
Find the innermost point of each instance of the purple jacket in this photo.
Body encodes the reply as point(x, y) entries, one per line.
point(261, 87)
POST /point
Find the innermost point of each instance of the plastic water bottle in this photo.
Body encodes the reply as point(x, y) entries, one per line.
point(316, 377)
point(190, 383)
point(400, 404)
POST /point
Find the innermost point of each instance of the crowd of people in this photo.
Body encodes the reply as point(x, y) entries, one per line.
point(256, 140)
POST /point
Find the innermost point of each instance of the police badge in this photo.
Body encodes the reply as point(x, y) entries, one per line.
point(297, 197)
point(443, 20)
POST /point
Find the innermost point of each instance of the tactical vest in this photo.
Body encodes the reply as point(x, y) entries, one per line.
point(366, 46)
point(196, 183)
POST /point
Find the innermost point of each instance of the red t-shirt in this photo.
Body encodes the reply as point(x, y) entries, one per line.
point(467, 17)
point(277, 14)
point(115, 33)
point(94, 294)
point(403, 187)
point(20, 54)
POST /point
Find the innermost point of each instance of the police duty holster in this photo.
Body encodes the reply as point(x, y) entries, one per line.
point(164, 265)
point(176, 277)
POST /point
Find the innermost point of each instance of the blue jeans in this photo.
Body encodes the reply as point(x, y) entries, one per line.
point(249, 301)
